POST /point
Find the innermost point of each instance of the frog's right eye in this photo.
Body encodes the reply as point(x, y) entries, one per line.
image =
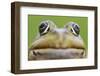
point(44, 28)
point(75, 29)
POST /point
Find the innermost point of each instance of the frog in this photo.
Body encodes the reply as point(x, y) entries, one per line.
point(57, 43)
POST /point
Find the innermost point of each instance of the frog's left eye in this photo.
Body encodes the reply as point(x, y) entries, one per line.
point(75, 29)
point(44, 28)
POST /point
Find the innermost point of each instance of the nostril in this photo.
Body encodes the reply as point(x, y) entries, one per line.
point(82, 53)
point(34, 53)
point(39, 53)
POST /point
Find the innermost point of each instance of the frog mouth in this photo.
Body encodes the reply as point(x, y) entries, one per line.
point(55, 53)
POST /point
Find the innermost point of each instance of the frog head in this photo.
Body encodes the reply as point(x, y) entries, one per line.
point(57, 43)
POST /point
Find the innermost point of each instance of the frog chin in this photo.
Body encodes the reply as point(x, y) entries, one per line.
point(51, 53)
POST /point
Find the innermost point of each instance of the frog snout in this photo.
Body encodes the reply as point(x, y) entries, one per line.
point(60, 37)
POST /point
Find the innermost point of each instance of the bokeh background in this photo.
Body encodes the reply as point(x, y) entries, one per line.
point(60, 21)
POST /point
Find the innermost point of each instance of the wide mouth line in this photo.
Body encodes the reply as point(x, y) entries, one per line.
point(61, 48)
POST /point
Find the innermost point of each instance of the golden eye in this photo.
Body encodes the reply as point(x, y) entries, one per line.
point(44, 28)
point(75, 29)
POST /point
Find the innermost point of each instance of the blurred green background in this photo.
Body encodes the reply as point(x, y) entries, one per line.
point(60, 21)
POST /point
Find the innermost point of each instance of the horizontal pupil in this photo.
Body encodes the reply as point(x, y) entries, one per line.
point(43, 25)
point(43, 29)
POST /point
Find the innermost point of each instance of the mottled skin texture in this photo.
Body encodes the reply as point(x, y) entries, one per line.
point(58, 43)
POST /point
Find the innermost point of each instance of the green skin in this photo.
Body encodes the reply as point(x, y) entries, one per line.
point(57, 44)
